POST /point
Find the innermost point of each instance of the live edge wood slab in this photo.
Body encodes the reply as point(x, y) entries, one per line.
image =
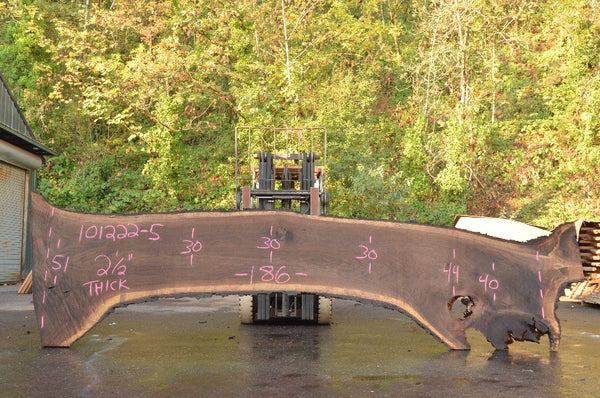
point(87, 264)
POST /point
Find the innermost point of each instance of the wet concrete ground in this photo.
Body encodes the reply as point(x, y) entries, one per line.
point(191, 347)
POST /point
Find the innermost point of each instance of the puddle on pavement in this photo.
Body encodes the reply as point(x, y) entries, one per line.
point(366, 351)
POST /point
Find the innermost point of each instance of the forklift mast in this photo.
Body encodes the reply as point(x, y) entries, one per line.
point(282, 168)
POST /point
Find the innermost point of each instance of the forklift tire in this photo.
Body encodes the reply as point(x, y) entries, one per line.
point(325, 310)
point(246, 309)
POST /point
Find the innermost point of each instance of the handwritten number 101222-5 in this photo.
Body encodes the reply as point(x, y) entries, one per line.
point(119, 232)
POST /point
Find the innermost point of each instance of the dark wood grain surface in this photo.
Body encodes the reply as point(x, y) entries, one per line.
point(86, 264)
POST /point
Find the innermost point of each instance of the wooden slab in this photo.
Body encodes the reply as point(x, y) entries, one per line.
point(86, 264)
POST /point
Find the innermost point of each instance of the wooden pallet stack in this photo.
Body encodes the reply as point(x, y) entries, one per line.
point(589, 246)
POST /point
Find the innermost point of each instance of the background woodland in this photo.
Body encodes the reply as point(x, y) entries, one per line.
point(432, 108)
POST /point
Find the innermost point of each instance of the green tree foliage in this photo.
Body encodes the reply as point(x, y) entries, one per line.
point(433, 108)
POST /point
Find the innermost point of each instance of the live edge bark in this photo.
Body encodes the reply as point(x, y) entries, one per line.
point(86, 264)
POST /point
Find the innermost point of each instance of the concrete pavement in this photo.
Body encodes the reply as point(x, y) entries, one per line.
point(191, 347)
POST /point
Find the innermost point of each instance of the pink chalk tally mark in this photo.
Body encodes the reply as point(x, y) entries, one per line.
point(537, 258)
point(367, 253)
point(42, 319)
point(193, 246)
point(490, 283)
point(269, 243)
point(192, 255)
point(452, 269)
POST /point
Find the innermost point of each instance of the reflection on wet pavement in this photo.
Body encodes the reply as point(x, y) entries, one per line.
point(189, 347)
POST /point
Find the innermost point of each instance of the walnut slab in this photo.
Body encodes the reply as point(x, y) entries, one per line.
point(87, 264)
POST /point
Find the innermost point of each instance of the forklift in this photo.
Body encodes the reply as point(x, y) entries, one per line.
point(282, 168)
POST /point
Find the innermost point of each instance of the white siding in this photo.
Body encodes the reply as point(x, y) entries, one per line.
point(12, 199)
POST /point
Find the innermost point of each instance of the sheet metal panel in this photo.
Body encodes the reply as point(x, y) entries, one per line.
point(9, 113)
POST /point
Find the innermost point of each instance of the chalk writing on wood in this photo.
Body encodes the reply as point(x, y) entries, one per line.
point(270, 273)
point(368, 254)
point(452, 269)
point(192, 246)
point(490, 282)
point(119, 232)
point(86, 264)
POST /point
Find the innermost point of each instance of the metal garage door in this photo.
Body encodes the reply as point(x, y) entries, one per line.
point(12, 198)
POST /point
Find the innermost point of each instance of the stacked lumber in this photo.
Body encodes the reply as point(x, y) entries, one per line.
point(27, 285)
point(588, 291)
point(589, 247)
